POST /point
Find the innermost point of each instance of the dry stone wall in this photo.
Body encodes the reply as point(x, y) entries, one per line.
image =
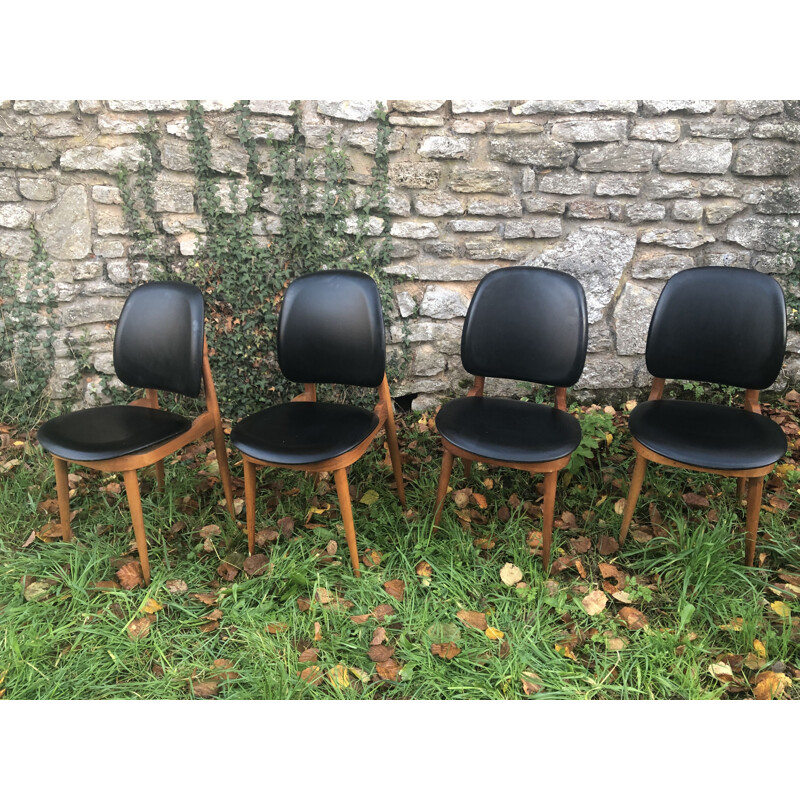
point(620, 194)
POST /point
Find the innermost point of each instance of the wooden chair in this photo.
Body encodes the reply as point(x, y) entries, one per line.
point(722, 325)
point(529, 324)
point(330, 330)
point(159, 344)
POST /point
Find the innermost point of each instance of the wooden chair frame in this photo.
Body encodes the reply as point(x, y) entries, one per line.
point(209, 420)
point(338, 465)
point(548, 468)
point(751, 479)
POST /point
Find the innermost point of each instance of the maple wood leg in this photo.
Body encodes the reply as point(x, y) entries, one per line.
point(397, 462)
point(633, 495)
point(550, 481)
point(754, 491)
point(467, 467)
point(741, 485)
point(224, 471)
point(160, 476)
point(62, 489)
point(250, 503)
point(135, 505)
point(441, 492)
point(343, 490)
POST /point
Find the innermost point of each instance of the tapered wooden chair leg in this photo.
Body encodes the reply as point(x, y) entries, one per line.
point(741, 486)
point(467, 467)
point(343, 490)
point(754, 490)
point(135, 505)
point(550, 481)
point(224, 471)
point(160, 478)
point(397, 462)
point(441, 492)
point(62, 489)
point(250, 503)
point(633, 495)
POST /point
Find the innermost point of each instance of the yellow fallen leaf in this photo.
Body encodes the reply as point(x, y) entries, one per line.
point(609, 438)
point(781, 609)
point(759, 649)
point(151, 606)
point(493, 633)
point(772, 686)
point(488, 483)
point(369, 497)
point(566, 650)
point(734, 625)
point(338, 676)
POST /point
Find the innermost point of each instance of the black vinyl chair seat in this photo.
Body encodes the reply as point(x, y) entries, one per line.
point(303, 433)
point(95, 434)
point(706, 435)
point(508, 430)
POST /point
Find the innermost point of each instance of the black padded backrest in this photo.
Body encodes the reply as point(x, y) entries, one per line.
point(331, 330)
point(159, 340)
point(527, 323)
point(719, 324)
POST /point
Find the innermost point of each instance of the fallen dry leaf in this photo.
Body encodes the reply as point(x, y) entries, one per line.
point(205, 689)
point(480, 500)
point(771, 686)
point(633, 618)
point(372, 558)
point(759, 649)
point(388, 669)
point(473, 619)
point(695, 500)
point(566, 651)
point(580, 544)
point(312, 675)
point(256, 565)
point(530, 683)
point(396, 588)
point(461, 497)
point(781, 609)
point(424, 569)
point(176, 586)
point(447, 650)
point(510, 574)
point(310, 654)
point(494, 633)
point(277, 627)
point(382, 611)
point(130, 575)
point(223, 669)
point(721, 671)
point(594, 602)
point(360, 619)
point(616, 643)
point(369, 497)
point(380, 652)
point(379, 636)
point(139, 628)
point(151, 606)
point(338, 676)
point(607, 546)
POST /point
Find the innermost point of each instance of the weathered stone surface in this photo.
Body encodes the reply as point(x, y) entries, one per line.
point(534, 151)
point(687, 106)
point(681, 238)
point(442, 302)
point(65, 227)
point(719, 128)
point(633, 157)
point(596, 256)
point(122, 126)
point(415, 176)
point(56, 127)
point(756, 233)
point(180, 223)
point(668, 188)
point(478, 106)
point(717, 187)
point(37, 189)
point(147, 105)
point(660, 267)
point(644, 212)
point(428, 361)
point(100, 159)
point(110, 220)
point(632, 316)
point(90, 106)
point(575, 106)
point(754, 109)
point(44, 106)
point(607, 372)
point(86, 270)
point(772, 263)
point(516, 128)
point(599, 338)
point(317, 136)
point(411, 106)
point(440, 272)
point(790, 131)
point(444, 147)
point(262, 130)
point(173, 196)
point(590, 130)
point(280, 108)
point(564, 183)
point(8, 188)
point(766, 158)
point(439, 249)
point(588, 209)
point(109, 195)
point(697, 157)
point(16, 244)
point(415, 230)
point(366, 139)
point(406, 304)
point(495, 207)
point(615, 185)
point(404, 248)
point(437, 204)
point(722, 258)
point(544, 204)
point(108, 248)
point(722, 211)
point(468, 126)
point(18, 153)
point(687, 210)
point(656, 130)
point(780, 200)
point(355, 110)
point(534, 228)
point(14, 216)
point(84, 311)
point(416, 122)
point(492, 250)
point(473, 225)
point(374, 227)
point(493, 181)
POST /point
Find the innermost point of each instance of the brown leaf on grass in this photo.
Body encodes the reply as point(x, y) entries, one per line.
point(695, 500)
point(633, 618)
point(227, 571)
point(286, 526)
point(312, 675)
point(382, 611)
point(581, 544)
point(388, 669)
point(176, 586)
point(569, 521)
point(503, 514)
point(565, 649)
point(379, 636)
point(206, 599)
point(38, 590)
point(317, 632)
point(461, 497)
point(607, 545)
point(619, 506)
point(616, 643)
point(581, 569)
point(130, 575)
point(264, 536)
point(510, 574)
point(616, 579)
point(30, 540)
point(303, 603)
point(223, 669)
point(380, 652)
point(205, 689)
point(50, 531)
point(277, 627)
point(424, 569)
point(448, 650)
point(309, 655)
point(771, 685)
point(480, 500)
point(256, 565)
point(473, 619)
point(561, 563)
point(721, 671)
point(530, 684)
point(209, 627)
point(372, 558)
point(594, 602)
point(483, 543)
point(214, 615)
point(359, 619)
point(207, 531)
point(396, 588)
point(139, 628)
point(534, 540)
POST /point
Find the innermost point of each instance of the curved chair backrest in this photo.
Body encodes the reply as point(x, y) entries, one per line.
point(719, 324)
point(527, 323)
point(331, 330)
point(159, 339)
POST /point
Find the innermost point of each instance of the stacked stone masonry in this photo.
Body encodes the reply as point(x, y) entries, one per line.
point(620, 194)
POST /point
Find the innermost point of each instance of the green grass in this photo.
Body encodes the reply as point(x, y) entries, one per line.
point(689, 582)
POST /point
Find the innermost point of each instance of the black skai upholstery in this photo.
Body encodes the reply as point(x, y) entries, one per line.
point(508, 430)
point(159, 341)
point(331, 330)
point(719, 324)
point(302, 433)
point(526, 323)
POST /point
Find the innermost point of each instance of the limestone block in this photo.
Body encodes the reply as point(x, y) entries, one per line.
point(771, 263)
point(280, 108)
point(173, 196)
point(440, 272)
point(13, 215)
point(415, 230)
point(492, 250)
point(121, 126)
point(632, 157)
point(86, 270)
point(86, 310)
point(119, 270)
point(93, 107)
point(439, 249)
point(416, 122)
point(603, 371)
point(37, 189)
point(756, 233)
point(444, 147)
point(516, 128)
point(428, 361)
point(473, 225)
point(723, 258)
point(596, 256)
point(468, 126)
point(317, 136)
point(8, 189)
point(492, 181)
point(660, 267)
point(438, 204)
point(495, 207)
point(19, 153)
point(687, 210)
point(110, 220)
point(590, 130)
point(404, 248)
point(719, 128)
point(658, 188)
point(599, 338)
point(175, 154)
point(697, 157)
point(657, 107)
point(534, 228)
point(411, 106)
point(147, 105)
point(366, 139)
point(588, 209)
point(567, 182)
point(354, 110)
point(66, 227)
point(528, 179)
point(535, 151)
point(680, 238)
point(615, 185)
point(780, 200)
point(722, 211)
point(415, 176)
point(374, 226)
point(790, 131)
point(101, 159)
point(108, 248)
point(718, 187)
point(644, 212)
point(656, 130)
point(575, 106)
point(443, 302)
point(44, 106)
point(479, 106)
point(109, 195)
point(766, 158)
point(406, 304)
point(632, 316)
point(754, 109)
point(16, 244)
point(543, 204)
